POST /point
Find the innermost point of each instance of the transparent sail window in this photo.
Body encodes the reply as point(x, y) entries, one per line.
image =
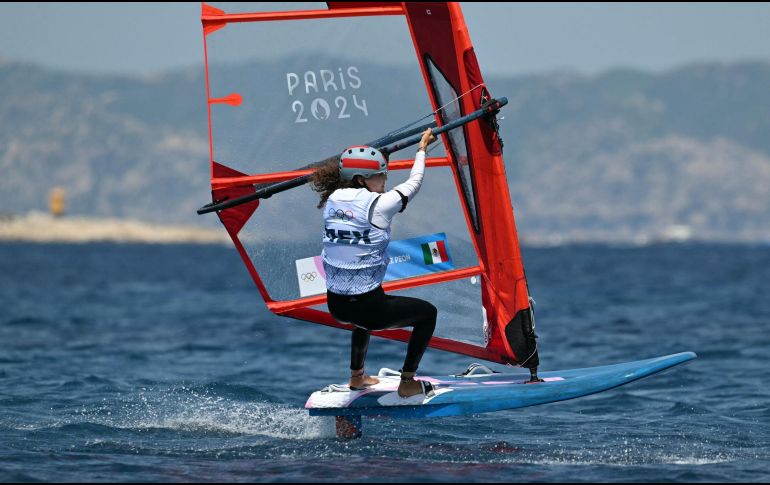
point(460, 314)
point(288, 228)
point(446, 96)
point(309, 88)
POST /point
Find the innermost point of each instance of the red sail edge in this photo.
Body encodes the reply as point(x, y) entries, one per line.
point(439, 33)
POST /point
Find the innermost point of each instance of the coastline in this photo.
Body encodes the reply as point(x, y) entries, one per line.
point(38, 227)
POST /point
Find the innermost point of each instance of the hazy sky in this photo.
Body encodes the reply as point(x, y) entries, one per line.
point(514, 38)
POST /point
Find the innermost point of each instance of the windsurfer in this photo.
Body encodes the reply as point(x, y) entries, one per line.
point(357, 216)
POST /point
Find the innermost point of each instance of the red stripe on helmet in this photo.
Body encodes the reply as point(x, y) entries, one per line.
point(356, 163)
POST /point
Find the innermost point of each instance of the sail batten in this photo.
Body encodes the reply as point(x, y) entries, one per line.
point(287, 306)
point(210, 17)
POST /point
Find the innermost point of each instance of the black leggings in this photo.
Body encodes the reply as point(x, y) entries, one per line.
point(377, 311)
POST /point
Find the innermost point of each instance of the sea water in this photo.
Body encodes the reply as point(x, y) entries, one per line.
point(161, 363)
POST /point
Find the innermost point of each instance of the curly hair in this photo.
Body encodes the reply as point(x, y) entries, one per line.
point(327, 179)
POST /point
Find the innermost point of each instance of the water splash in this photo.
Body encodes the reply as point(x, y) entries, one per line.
point(188, 410)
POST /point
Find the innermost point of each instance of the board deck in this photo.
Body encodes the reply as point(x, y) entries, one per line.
point(458, 395)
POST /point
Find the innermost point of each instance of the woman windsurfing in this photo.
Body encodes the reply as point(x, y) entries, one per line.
point(357, 215)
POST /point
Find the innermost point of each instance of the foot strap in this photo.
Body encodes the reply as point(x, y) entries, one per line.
point(427, 389)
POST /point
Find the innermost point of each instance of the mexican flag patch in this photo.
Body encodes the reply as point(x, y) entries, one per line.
point(434, 252)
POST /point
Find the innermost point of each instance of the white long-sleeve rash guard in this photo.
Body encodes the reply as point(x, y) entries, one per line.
point(390, 203)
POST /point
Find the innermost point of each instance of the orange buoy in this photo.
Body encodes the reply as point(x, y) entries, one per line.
point(56, 201)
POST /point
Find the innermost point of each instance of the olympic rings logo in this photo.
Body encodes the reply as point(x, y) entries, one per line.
point(339, 214)
point(309, 276)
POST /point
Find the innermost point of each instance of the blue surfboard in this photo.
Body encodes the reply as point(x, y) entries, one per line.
point(483, 391)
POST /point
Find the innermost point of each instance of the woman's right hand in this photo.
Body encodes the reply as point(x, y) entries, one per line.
point(427, 138)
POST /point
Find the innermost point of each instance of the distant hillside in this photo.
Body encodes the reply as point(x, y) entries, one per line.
point(628, 154)
point(625, 155)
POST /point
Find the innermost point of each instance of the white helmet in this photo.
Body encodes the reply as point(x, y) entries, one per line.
point(362, 160)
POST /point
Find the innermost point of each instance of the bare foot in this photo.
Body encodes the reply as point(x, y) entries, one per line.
point(409, 388)
point(361, 381)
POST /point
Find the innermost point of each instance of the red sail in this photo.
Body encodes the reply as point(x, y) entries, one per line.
point(298, 106)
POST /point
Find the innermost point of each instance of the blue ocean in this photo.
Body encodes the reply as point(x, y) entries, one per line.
point(160, 363)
